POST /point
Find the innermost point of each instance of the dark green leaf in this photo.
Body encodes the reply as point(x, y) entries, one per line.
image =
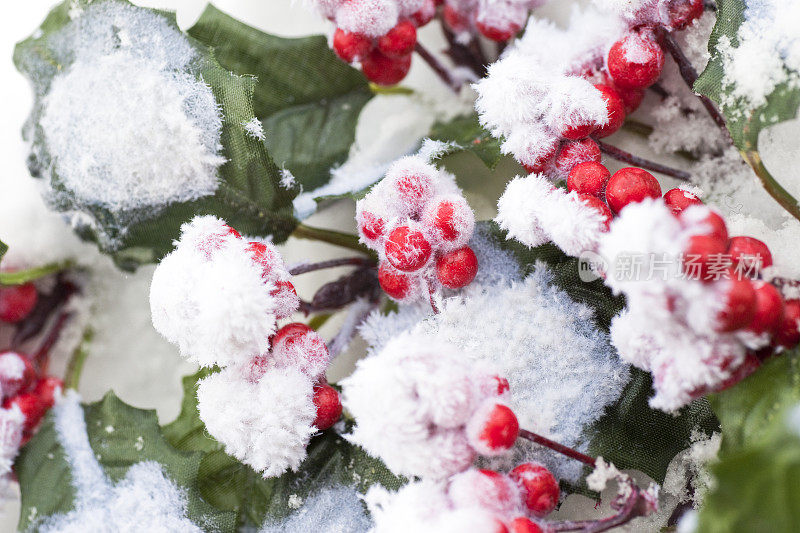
point(468, 135)
point(3, 249)
point(249, 196)
point(120, 436)
point(307, 99)
point(744, 123)
point(230, 485)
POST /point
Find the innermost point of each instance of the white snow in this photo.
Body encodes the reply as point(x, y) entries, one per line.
point(335, 509)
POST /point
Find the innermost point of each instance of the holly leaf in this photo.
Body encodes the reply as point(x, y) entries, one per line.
point(249, 196)
point(120, 436)
point(228, 484)
point(307, 99)
point(467, 135)
point(758, 476)
point(744, 121)
point(3, 249)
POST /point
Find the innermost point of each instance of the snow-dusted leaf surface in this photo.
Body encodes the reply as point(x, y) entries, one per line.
point(136, 128)
point(466, 134)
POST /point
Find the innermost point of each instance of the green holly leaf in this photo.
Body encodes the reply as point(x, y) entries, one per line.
point(307, 99)
point(3, 249)
point(120, 436)
point(758, 476)
point(228, 484)
point(249, 195)
point(467, 135)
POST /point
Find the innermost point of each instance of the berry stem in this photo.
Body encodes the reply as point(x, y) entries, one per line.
point(337, 238)
point(632, 505)
point(391, 90)
point(689, 75)
point(72, 375)
point(437, 67)
point(627, 157)
point(18, 277)
point(431, 297)
point(466, 56)
point(41, 357)
point(358, 311)
point(781, 195)
point(303, 268)
point(555, 446)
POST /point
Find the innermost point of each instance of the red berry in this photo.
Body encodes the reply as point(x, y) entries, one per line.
point(678, 200)
point(231, 231)
point(385, 70)
point(578, 131)
point(444, 221)
point(542, 161)
point(768, 309)
point(635, 61)
point(788, 332)
point(540, 490)
point(425, 14)
point(575, 152)
point(715, 226)
point(264, 256)
point(46, 389)
point(740, 305)
point(484, 489)
point(17, 302)
point(589, 177)
point(600, 206)
point(497, 429)
point(524, 525)
point(18, 382)
point(393, 283)
point(407, 249)
point(748, 366)
point(749, 255)
point(684, 12)
point(399, 41)
point(31, 407)
point(705, 259)
point(300, 346)
point(295, 330)
point(329, 407)
point(630, 185)
point(455, 20)
point(351, 46)
point(631, 98)
point(286, 298)
point(371, 226)
point(414, 191)
point(615, 107)
point(458, 268)
point(502, 385)
point(496, 32)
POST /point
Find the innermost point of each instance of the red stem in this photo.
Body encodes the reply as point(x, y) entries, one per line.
point(627, 157)
point(437, 67)
point(332, 263)
point(41, 357)
point(632, 507)
point(560, 448)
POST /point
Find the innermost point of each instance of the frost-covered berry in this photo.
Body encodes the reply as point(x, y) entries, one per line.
point(16, 373)
point(749, 255)
point(704, 258)
point(679, 199)
point(788, 332)
point(457, 21)
point(768, 312)
point(539, 487)
point(396, 284)
point(498, 30)
point(486, 489)
point(47, 388)
point(384, 70)
point(629, 185)
point(31, 406)
point(575, 152)
point(635, 61)
point(739, 305)
point(17, 302)
point(493, 429)
point(714, 224)
point(631, 98)
point(265, 256)
point(615, 107)
point(524, 525)
point(351, 46)
point(407, 249)
point(450, 219)
point(541, 162)
point(298, 346)
point(424, 14)
point(399, 41)
point(599, 206)
point(329, 408)
point(589, 177)
point(371, 226)
point(681, 13)
point(413, 190)
point(577, 132)
point(457, 268)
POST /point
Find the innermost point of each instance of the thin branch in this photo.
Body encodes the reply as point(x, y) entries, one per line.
point(18, 277)
point(440, 70)
point(633, 505)
point(332, 263)
point(72, 375)
point(781, 195)
point(463, 55)
point(337, 238)
point(41, 357)
point(358, 311)
point(555, 446)
point(627, 157)
point(431, 296)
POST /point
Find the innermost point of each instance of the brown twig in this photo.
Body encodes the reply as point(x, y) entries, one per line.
point(627, 157)
point(464, 56)
point(41, 357)
point(332, 263)
point(440, 70)
point(555, 446)
point(630, 506)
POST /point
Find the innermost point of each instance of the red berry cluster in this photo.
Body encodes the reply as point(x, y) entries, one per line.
point(386, 59)
point(498, 21)
point(21, 385)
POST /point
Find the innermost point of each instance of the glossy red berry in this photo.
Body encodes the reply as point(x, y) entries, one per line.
point(635, 61)
point(678, 199)
point(577, 132)
point(399, 41)
point(539, 488)
point(542, 162)
point(394, 283)
point(31, 406)
point(705, 259)
point(371, 226)
point(768, 309)
point(18, 382)
point(630, 185)
point(498, 428)
point(631, 98)
point(598, 205)
point(329, 407)
point(290, 332)
point(615, 107)
point(384, 70)
point(351, 46)
point(17, 302)
point(524, 525)
point(458, 268)
point(46, 389)
point(749, 255)
point(407, 249)
point(683, 12)
point(589, 177)
point(497, 30)
point(739, 305)
point(574, 152)
point(715, 226)
point(788, 332)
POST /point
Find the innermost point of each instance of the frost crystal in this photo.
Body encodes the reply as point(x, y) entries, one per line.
point(334, 509)
point(11, 423)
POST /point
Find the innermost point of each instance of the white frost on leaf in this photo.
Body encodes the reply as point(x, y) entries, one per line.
point(11, 425)
point(144, 500)
point(334, 509)
point(254, 129)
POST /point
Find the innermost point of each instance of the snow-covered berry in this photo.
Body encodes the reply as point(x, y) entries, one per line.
point(407, 248)
point(493, 429)
point(749, 255)
point(679, 199)
point(298, 346)
point(17, 302)
point(589, 177)
point(683, 12)
point(31, 407)
point(539, 487)
point(329, 408)
point(615, 107)
point(739, 305)
point(351, 46)
point(399, 41)
point(522, 524)
point(451, 220)
point(575, 152)
point(598, 205)
point(704, 258)
point(457, 268)
point(635, 61)
point(16, 373)
point(629, 185)
point(393, 282)
point(768, 312)
point(485, 489)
